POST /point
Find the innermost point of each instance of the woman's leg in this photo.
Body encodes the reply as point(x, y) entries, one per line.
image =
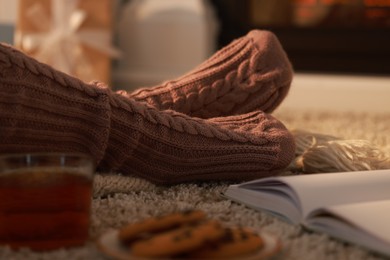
point(170, 147)
point(251, 73)
point(42, 109)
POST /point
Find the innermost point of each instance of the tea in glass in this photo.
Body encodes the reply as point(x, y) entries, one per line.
point(45, 200)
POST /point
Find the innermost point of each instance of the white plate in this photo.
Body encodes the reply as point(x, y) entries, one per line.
point(110, 245)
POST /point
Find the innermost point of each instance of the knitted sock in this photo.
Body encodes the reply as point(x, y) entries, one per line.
point(171, 147)
point(45, 110)
point(251, 73)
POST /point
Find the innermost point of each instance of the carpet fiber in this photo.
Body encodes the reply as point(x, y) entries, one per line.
point(119, 199)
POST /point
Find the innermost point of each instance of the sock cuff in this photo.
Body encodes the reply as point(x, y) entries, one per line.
point(44, 110)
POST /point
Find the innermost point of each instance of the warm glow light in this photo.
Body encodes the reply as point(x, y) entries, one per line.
point(305, 2)
point(341, 13)
point(333, 2)
point(377, 3)
point(368, 3)
point(376, 13)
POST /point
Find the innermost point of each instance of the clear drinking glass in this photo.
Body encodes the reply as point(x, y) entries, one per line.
point(45, 200)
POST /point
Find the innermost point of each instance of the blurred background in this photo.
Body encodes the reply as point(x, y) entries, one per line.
point(152, 40)
point(347, 36)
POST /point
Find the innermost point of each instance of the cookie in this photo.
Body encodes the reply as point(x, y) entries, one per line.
point(178, 241)
point(235, 242)
point(152, 225)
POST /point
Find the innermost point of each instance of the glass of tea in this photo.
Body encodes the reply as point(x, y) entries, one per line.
point(45, 200)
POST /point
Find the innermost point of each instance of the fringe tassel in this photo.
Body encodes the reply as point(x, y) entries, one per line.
point(317, 153)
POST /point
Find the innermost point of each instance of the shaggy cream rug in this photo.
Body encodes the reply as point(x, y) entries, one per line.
point(119, 199)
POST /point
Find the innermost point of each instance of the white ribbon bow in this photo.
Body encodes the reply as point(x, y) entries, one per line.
point(61, 40)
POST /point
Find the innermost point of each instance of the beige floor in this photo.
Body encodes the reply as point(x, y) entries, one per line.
point(121, 199)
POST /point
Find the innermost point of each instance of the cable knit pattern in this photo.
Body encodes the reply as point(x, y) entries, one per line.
point(42, 109)
point(185, 124)
point(168, 147)
point(251, 73)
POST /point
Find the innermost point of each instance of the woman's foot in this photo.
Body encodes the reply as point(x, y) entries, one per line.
point(251, 73)
point(167, 147)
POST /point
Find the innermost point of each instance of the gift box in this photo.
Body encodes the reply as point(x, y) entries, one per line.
point(73, 36)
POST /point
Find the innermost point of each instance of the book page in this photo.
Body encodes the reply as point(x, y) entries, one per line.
point(276, 203)
point(320, 190)
point(366, 223)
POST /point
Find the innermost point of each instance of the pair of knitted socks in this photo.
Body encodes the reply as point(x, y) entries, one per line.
point(211, 124)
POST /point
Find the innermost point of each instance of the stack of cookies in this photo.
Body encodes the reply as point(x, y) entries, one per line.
point(188, 234)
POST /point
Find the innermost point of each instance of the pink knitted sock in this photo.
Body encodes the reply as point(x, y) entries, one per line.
point(251, 73)
point(170, 147)
point(45, 110)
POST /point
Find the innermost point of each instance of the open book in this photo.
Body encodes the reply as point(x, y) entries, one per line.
point(352, 206)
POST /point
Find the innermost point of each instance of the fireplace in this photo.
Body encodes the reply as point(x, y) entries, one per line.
point(331, 36)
